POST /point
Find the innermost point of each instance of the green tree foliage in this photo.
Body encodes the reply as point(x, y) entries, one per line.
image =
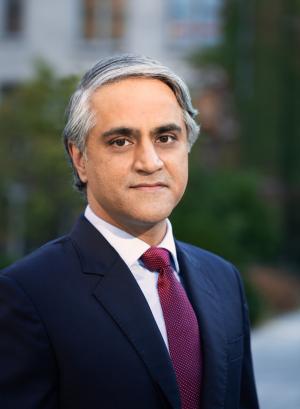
point(32, 157)
point(224, 213)
point(260, 54)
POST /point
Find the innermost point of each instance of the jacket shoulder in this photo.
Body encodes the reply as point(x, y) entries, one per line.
point(203, 256)
point(218, 270)
point(49, 258)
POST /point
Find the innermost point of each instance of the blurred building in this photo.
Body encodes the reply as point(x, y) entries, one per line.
point(72, 34)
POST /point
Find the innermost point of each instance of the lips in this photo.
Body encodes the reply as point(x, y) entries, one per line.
point(149, 186)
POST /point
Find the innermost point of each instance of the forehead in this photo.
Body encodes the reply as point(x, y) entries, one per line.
point(135, 84)
point(136, 97)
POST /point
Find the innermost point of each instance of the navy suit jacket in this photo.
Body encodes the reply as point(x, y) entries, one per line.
point(77, 332)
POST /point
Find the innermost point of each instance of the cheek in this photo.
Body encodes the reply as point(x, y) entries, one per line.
point(107, 174)
point(182, 169)
point(183, 181)
point(97, 176)
point(179, 177)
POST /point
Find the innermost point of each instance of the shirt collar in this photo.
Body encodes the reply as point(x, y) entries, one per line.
point(130, 248)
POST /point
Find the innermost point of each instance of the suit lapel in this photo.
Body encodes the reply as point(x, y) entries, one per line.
point(119, 294)
point(207, 306)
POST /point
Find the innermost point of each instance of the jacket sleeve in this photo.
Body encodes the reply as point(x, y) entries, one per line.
point(28, 373)
point(248, 394)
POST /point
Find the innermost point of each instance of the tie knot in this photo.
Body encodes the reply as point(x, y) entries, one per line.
point(156, 258)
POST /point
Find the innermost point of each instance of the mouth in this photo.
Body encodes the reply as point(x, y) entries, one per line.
point(149, 187)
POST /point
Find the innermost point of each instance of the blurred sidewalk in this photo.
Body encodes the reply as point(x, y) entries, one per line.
point(276, 355)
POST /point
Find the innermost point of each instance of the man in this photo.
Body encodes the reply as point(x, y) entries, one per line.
point(118, 314)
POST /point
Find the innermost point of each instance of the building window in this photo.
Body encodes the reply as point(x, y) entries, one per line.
point(13, 17)
point(193, 22)
point(103, 19)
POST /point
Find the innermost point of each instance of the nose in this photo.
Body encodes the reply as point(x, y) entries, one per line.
point(147, 159)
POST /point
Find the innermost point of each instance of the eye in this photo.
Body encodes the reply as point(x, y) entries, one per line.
point(166, 138)
point(120, 142)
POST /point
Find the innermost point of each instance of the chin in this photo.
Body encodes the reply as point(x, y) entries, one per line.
point(150, 219)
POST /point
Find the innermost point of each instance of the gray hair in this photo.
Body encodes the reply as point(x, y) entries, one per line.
point(80, 119)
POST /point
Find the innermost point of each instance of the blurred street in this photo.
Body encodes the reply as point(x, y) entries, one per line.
point(276, 354)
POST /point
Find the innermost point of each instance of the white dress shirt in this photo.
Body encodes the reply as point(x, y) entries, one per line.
point(130, 249)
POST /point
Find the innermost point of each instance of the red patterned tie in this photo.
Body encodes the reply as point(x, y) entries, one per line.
point(182, 327)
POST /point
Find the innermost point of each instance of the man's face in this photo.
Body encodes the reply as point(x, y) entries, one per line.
point(136, 160)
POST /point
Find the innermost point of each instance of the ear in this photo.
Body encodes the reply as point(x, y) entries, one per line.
point(79, 161)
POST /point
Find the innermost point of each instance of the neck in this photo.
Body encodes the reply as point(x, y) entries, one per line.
point(153, 235)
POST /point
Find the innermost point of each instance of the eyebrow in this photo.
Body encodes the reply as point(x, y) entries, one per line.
point(166, 128)
point(125, 131)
